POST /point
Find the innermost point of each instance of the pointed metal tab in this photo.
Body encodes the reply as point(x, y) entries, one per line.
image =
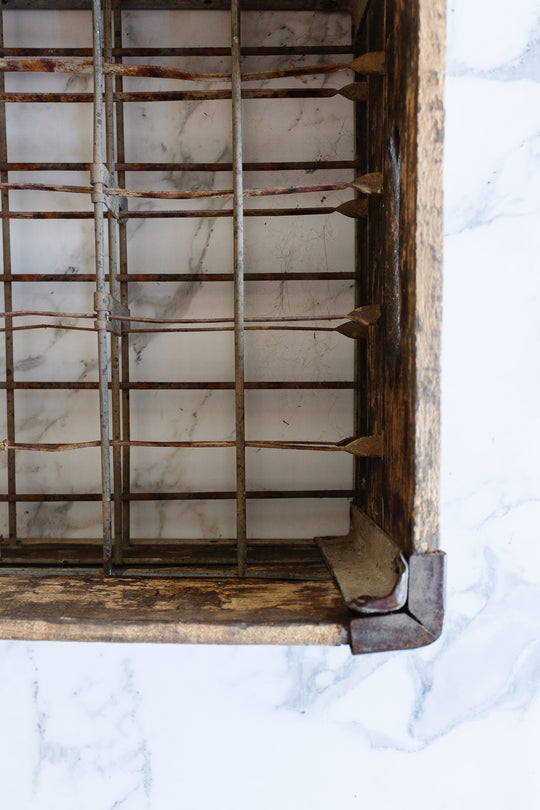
point(353, 330)
point(356, 91)
point(367, 446)
point(367, 315)
point(373, 62)
point(369, 183)
point(353, 208)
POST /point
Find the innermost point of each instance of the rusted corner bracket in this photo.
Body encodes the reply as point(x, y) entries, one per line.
point(420, 621)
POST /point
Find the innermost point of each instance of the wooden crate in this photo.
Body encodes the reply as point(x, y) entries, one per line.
point(380, 586)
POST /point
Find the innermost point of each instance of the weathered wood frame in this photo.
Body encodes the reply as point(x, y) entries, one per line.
point(402, 492)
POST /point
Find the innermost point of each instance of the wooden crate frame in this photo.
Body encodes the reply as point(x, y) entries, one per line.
point(395, 503)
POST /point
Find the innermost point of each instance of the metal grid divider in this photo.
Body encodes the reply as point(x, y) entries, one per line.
point(124, 285)
point(238, 236)
point(114, 394)
point(8, 305)
point(114, 286)
point(98, 198)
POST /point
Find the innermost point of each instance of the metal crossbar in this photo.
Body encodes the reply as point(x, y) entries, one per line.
point(100, 156)
point(8, 304)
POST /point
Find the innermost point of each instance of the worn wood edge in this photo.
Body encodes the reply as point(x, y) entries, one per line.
point(211, 611)
point(174, 633)
point(420, 624)
point(367, 566)
point(429, 251)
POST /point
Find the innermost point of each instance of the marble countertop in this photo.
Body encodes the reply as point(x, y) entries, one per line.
point(452, 725)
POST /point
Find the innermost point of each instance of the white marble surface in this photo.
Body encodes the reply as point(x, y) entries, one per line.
point(452, 725)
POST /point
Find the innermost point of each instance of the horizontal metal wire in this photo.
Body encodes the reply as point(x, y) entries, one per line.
point(142, 319)
point(149, 385)
point(267, 445)
point(143, 97)
point(183, 214)
point(206, 495)
point(260, 50)
point(309, 166)
point(178, 277)
point(197, 194)
point(365, 64)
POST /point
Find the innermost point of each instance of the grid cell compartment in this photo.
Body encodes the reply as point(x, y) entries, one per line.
point(4, 513)
point(298, 355)
point(47, 247)
point(70, 473)
point(289, 414)
point(56, 416)
point(294, 469)
point(74, 297)
point(26, 124)
point(314, 299)
point(182, 415)
point(316, 244)
point(64, 521)
point(56, 28)
point(159, 245)
point(54, 356)
point(180, 300)
point(183, 470)
point(297, 517)
point(154, 129)
point(158, 357)
point(316, 129)
point(202, 520)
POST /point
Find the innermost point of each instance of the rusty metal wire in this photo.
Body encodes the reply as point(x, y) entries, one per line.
point(366, 315)
point(48, 447)
point(364, 64)
point(197, 194)
point(356, 91)
point(354, 208)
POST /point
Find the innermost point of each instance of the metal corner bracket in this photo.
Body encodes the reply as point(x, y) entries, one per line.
point(418, 624)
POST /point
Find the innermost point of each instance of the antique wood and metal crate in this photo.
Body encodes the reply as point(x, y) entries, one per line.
point(222, 235)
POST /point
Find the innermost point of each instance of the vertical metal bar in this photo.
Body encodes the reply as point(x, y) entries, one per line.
point(362, 291)
point(375, 389)
point(99, 158)
point(114, 287)
point(124, 289)
point(8, 307)
point(238, 235)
